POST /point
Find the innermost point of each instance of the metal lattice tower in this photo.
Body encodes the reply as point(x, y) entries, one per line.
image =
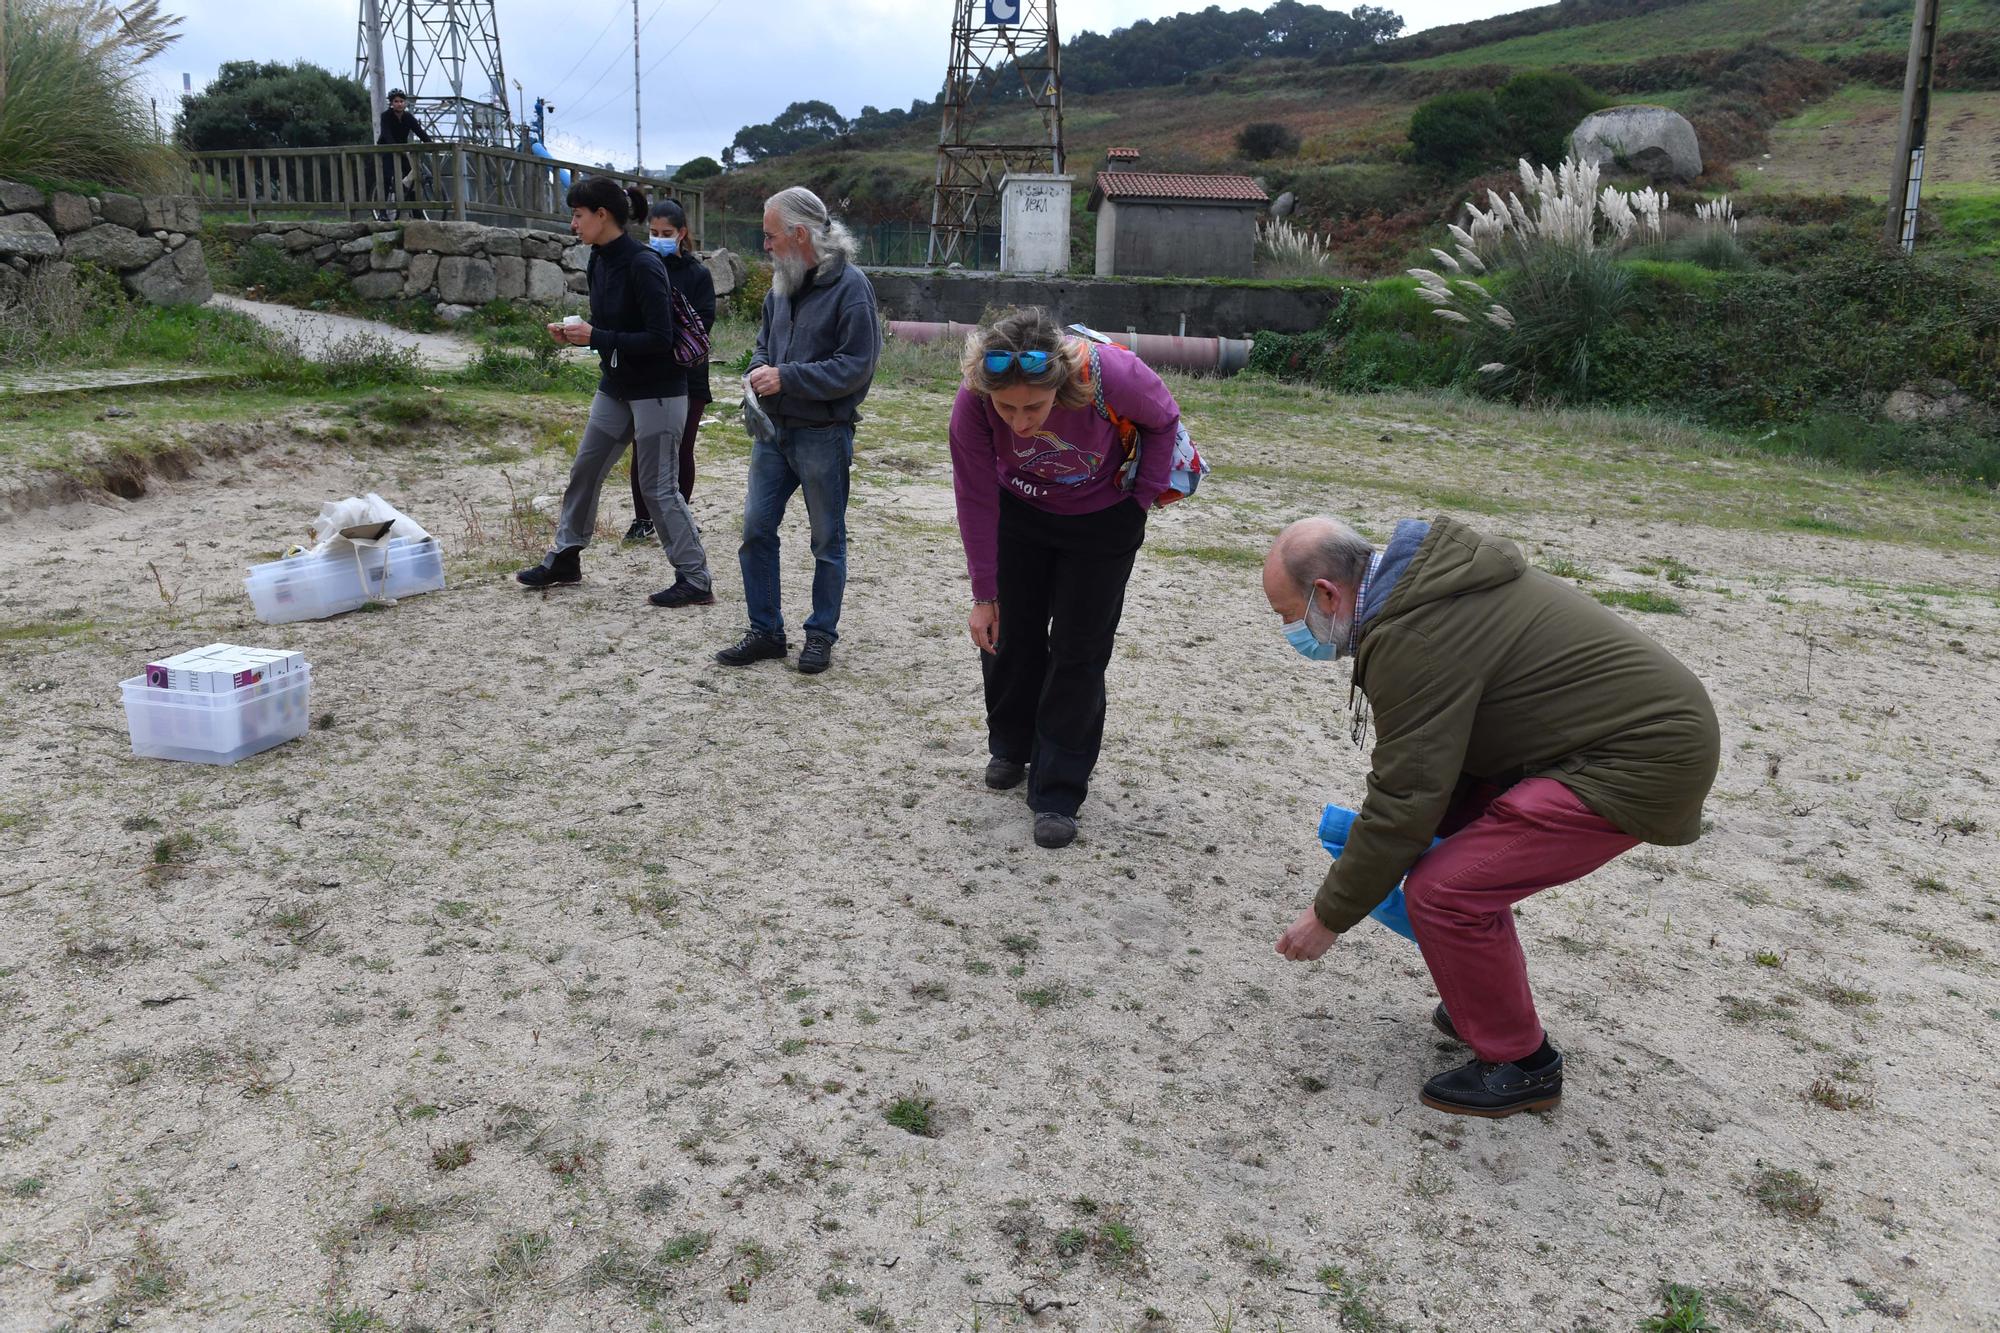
point(1005, 62)
point(446, 55)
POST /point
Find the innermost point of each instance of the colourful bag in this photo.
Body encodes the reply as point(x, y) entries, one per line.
point(690, 338)
point(1188, 467)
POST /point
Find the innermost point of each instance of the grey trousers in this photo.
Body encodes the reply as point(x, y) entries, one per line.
point(654, 426)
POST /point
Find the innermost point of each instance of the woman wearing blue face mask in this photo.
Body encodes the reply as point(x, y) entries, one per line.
point(667, 226)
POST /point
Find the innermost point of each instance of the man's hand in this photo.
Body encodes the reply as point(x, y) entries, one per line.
point(1305, 939)
point(764, 381)
point(984, 623)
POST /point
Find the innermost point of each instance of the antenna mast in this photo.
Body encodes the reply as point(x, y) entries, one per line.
point(1005, 56)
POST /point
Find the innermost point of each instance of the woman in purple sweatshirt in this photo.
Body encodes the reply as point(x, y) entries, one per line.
point(1051, 519)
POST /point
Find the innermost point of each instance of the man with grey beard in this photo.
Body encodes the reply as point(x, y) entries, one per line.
point(815, 357)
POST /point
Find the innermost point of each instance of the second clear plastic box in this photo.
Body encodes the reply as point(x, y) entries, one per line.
point(313, 587)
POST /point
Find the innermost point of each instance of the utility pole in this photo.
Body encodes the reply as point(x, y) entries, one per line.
point(638, 139)
point(1005, 57)
point(371, 39)
point(6, 15)
point(1907, 187)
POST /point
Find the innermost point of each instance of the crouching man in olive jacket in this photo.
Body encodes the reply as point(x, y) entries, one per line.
point(1530, 728)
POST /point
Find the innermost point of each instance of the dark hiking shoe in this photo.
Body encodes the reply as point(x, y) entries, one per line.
point(753, 647)
point(682, 593)
point(817, 655)
point(561, 567)
point(640, 531)
point(1053, 830)
point(1482, 1089)
point(1005, 774)
point(1442, 1022)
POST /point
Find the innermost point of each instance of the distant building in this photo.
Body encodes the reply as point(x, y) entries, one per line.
point(1150, 224)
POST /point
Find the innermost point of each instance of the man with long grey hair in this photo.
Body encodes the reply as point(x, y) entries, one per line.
point(815, 358)
point(1528, 727)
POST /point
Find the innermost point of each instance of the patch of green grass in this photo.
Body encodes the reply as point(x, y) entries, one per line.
point(913, 1115)
point(1234, 557)
point(1640, 599)
point(452, 1156)
point(1683, 1309)
point(1053, 995)
point(1843, 996)
point(1816, 523)
point(45, 629)
point(1787, 1193)
point(685, 1247)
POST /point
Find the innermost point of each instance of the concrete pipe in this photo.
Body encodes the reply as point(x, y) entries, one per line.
point(1162, 351)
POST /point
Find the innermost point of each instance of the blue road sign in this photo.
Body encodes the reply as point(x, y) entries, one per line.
point(1000, 13)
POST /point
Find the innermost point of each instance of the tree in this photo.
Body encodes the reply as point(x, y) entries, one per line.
point(699, 169)
point(257, 105)
point(1266, 138)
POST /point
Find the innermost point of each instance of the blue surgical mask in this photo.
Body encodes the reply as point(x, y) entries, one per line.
point(666, 245)
point(1313, 642)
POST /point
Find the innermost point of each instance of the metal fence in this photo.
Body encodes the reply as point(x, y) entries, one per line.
point(459, 182)
point(885, 244)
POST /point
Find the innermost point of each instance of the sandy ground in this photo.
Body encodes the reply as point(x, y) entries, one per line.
point(561, 979)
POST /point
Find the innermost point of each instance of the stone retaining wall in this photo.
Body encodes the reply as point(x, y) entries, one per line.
point(151, 242)
point(453, 266)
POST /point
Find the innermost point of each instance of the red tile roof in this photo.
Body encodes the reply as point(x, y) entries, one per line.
point(1123, 154)
point(1116, 185)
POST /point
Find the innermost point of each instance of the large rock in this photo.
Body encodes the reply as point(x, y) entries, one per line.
point(28, 236)
point(501, 241)
point(172, 212)
point(728, 270)
point(378, 286)
point(450, 313)
point(578, 283)
point(1649, 139)
point(545, 282)
point(299, 240)
point(360, 246)
point(18, 198)
point(1930, 400)
point(124, 209)
point(510, 277)
point(389, 261)
point(111, 246)
point(423, 272)
point(69, 212)
point(446, 238)
point(179, 277)
point(576, 258)
point(242, 233)
point(463, 280)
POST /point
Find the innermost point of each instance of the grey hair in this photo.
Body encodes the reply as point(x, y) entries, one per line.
point(1325, 548)
point(833, 244)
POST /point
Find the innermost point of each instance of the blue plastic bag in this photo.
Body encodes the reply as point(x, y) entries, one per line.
point(1334, 824)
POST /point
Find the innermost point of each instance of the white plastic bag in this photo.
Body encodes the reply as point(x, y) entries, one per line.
point(335, 516)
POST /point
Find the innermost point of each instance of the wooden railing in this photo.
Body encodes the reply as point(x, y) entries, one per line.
point(455, 182)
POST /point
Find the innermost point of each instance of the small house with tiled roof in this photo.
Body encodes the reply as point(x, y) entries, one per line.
point(1156, 225)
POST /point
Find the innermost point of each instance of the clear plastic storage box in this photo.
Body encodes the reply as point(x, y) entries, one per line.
point(313, 587)
point(217, 728)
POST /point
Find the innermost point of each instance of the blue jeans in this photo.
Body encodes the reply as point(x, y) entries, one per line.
point(817, 459)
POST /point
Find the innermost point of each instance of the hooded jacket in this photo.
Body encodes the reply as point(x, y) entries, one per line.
point(1477, 666)
point(825, 340)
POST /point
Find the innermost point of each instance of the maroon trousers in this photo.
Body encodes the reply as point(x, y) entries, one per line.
point(1500, 845)
point(686, 477)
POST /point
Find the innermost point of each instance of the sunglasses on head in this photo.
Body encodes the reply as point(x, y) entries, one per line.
point(1031, 363)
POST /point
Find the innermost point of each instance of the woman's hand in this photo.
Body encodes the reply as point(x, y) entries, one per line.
point(984, 622)
point(577, 335)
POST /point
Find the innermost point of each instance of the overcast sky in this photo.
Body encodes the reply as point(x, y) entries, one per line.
point(715, 66)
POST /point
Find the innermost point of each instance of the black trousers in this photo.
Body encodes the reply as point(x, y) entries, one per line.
point(1062, 589)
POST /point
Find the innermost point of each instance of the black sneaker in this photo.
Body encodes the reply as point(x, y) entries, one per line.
point(1493, 1091)
point(682, 593)
point(1442, 1022)
point(640, 531)
point(1005, 774)
point(754, 646)
point(1054, 830)
point(558, 568)
point(817, 655)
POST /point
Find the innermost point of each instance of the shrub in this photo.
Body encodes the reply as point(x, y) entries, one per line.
point(1266, 138)
point(699, 169)
point(1541, 109)
point(1286, 251)
point(282, 277)
point(1459, 132)
point(73, 106)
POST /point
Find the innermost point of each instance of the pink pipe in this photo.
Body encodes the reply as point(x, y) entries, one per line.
point(1210, 356)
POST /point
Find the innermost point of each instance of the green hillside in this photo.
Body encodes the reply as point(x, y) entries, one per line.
point(1790, 98)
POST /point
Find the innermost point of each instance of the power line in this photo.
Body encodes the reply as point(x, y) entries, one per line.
point(601, 104)
point(607, 100)
point(562, 83)
point(684, 36)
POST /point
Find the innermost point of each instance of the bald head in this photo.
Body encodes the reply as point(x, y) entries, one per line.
point(1317, 552)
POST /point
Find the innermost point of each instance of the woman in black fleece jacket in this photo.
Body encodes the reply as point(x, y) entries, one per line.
point(671, 240)
point(641, 397)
